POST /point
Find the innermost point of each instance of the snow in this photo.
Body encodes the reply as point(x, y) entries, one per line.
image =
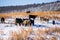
point(8, 28)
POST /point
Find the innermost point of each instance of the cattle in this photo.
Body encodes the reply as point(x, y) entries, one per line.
point(28, 12)
point(32, 18)
point(26, 22)
point(44, 19)
point(2, 20)
point(53, 22)
point(19, 20)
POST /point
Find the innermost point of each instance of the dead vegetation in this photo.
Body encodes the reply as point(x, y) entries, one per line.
point(47, 14)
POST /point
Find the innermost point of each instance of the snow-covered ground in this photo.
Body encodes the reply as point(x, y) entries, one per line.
point(6, 29)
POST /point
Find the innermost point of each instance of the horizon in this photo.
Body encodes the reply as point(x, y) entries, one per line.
point(19, 2)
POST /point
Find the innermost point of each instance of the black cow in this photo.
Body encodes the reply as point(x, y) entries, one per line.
point(28, 12)
point(31, 22)
point(2, 20)
point(19, 20)
point(32, 18)
point(53, 22)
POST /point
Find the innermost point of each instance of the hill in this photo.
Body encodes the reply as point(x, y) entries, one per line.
point(52, 6)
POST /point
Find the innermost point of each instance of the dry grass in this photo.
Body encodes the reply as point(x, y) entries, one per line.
point(40, 34)
point(47, 14)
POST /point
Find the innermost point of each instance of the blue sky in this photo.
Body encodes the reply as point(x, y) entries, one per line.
point(21, 2)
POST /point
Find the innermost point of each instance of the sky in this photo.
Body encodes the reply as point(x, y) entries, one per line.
point(22, 2)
